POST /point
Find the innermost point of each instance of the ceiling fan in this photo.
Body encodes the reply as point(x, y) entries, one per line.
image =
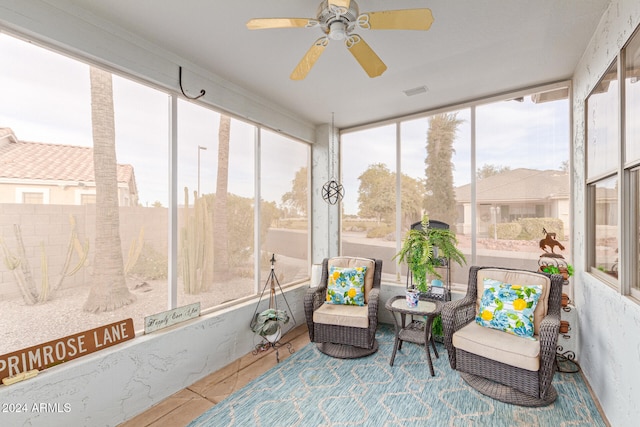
point(338, 19)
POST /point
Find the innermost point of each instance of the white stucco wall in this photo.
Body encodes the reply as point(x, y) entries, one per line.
point(111, 386)
point(609, 323)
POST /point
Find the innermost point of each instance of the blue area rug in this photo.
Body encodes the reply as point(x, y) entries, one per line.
point(312, 389)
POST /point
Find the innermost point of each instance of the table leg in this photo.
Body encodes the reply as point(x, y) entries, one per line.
point(402, 325)
point(397, 342)
point(395, 348)
point(426, 346)
point(428, 336)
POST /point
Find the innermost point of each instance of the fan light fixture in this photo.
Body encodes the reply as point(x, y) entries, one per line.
point(337, 30)
point(332, 190)
point(338, 19)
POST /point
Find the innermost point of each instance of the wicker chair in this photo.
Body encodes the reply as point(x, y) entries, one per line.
point(328, 331)
point(510, 378)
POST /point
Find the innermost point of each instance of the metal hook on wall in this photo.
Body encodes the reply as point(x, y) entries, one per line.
point(182, 90)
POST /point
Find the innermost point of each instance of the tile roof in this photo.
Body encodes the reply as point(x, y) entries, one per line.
point(518, 185)
point(40, 161)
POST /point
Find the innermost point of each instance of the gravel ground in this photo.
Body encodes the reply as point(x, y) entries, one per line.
point(22, 325)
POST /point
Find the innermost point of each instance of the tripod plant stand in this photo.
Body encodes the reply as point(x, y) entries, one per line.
point(268, 324)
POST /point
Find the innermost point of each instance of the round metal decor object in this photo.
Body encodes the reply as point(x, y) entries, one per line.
point(332, 192)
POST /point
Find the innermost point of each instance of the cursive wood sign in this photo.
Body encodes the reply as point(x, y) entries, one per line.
point(54, 352)
point(171, 317)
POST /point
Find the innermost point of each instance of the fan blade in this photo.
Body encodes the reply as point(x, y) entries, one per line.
point(340, 3)
point(408, 19)
point(367, 58)
point(265, 23)
point(309, 58)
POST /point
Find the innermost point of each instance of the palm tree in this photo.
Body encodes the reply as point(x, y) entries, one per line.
point(109, 289)
point(220, 212)
point(440, 198)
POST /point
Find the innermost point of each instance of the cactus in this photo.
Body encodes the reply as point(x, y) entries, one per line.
point(82, 251)
point(135, 249)
point(24, 278)
point(12, 262)
point(196, 243)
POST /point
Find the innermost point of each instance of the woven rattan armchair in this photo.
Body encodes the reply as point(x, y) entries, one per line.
point(332, 333)
point(505, 380)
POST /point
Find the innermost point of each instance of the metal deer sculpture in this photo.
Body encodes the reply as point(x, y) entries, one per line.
point(550, 242)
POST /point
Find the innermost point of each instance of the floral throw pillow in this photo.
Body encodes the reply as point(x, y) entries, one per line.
point(346, 285)
point(508, 308)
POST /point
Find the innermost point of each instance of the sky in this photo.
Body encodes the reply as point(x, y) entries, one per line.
point(46, 98)
point(508, 133)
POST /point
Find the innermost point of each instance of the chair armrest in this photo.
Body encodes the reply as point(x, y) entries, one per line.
point(548, 336)
point(374, 297)
point(455, 315)
point(313, 299)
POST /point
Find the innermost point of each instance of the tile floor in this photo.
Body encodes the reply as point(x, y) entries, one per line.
point(184, 406)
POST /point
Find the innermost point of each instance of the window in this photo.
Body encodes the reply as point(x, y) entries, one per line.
point(369, 205)
point(87, 199)
point(32, 198)
point(284, 213)
point(635, 235)
point(522, 177)
point(606, 226)
point(435, 159)
point(216, 203)
point(26, 195)
point(602, 181)
point(521, 181)
point(632, 155)
point(216, 210)
point(55, 153)
point(602, 125)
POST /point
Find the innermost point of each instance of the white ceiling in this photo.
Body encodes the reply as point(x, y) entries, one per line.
point(473, 49)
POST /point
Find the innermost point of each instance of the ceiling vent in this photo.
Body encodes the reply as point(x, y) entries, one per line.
point(416, 91)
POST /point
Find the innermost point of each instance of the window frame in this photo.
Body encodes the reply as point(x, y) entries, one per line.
point(172, 167)
point(627, 173)
point(471, 106)
point(630, 191)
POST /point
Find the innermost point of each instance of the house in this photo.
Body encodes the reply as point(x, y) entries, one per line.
point(480, 52)
point(500, 198)
point(54, 174)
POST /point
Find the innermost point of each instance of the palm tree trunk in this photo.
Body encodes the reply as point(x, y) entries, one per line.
point(220, 213)
point(109, 289)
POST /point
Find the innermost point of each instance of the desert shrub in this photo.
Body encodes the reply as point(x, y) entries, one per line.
point(508, 231)
point(293, 223)
point(380, 231)
point(151, 264)
point(532, 227)
point(358, 225)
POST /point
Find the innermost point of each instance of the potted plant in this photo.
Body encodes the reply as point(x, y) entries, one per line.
point(268, 323)
point(565, 271)
point(425, 249)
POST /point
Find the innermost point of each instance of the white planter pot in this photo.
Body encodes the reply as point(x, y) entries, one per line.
point(275, 337)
